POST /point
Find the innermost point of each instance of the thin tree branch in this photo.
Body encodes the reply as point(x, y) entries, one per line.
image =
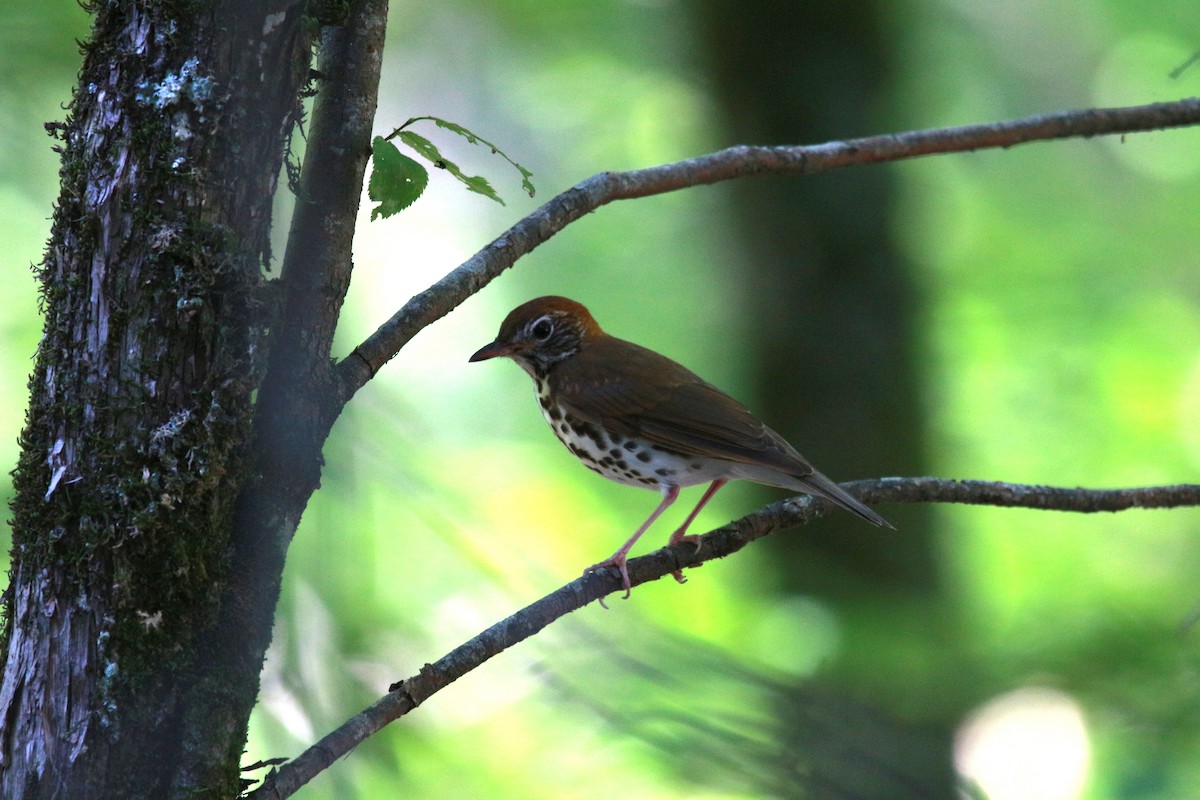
point(406, 695)
point(315, 275)
point(735, 162)
point(296, 402)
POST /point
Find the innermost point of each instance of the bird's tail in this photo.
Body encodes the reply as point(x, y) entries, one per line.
point(818, 484)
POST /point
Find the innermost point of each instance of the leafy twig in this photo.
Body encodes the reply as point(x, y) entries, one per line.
point(397, 180)
point(474, 138)
point(734, 162)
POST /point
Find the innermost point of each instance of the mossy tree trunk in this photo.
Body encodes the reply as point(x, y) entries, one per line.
point(131, 659)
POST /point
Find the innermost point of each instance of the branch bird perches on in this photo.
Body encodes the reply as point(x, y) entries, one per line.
point(405, 695)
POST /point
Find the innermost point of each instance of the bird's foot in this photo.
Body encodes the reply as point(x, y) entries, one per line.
point(692, 539)
point(619, 561)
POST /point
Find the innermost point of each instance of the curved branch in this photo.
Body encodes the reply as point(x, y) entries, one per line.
point(407, 694)
point(735, 162)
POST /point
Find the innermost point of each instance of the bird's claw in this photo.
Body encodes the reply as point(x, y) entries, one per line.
point(620, 564)
point(691, 539)
point(694, 539)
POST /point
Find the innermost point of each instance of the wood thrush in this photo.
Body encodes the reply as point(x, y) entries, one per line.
point(638, 418)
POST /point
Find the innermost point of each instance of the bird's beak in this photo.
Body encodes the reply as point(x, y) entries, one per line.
point(494, 350)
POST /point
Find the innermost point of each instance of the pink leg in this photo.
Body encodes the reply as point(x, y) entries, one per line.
point(621, 556)
point(681, 534)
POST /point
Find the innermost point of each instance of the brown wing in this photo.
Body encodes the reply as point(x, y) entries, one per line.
point(633, 391)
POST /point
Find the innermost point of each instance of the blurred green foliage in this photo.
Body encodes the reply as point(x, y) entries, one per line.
point(1061, 345)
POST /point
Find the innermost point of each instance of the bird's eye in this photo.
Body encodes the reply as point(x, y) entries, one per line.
point(542, 329)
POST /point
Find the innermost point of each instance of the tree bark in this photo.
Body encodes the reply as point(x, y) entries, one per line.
point(133, 454)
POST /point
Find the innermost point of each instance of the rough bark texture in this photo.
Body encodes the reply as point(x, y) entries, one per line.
point(133, 452)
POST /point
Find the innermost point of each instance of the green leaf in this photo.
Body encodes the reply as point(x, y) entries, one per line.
point(454, 127)
point(423, 146)
point(396, 180)
point(426, 149)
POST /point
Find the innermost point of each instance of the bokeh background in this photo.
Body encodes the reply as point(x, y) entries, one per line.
point(1030, 315)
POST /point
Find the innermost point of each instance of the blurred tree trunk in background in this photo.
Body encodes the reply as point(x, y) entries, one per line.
point(831, 309)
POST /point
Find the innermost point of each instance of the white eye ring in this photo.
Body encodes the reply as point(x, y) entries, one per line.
point(541, 329)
